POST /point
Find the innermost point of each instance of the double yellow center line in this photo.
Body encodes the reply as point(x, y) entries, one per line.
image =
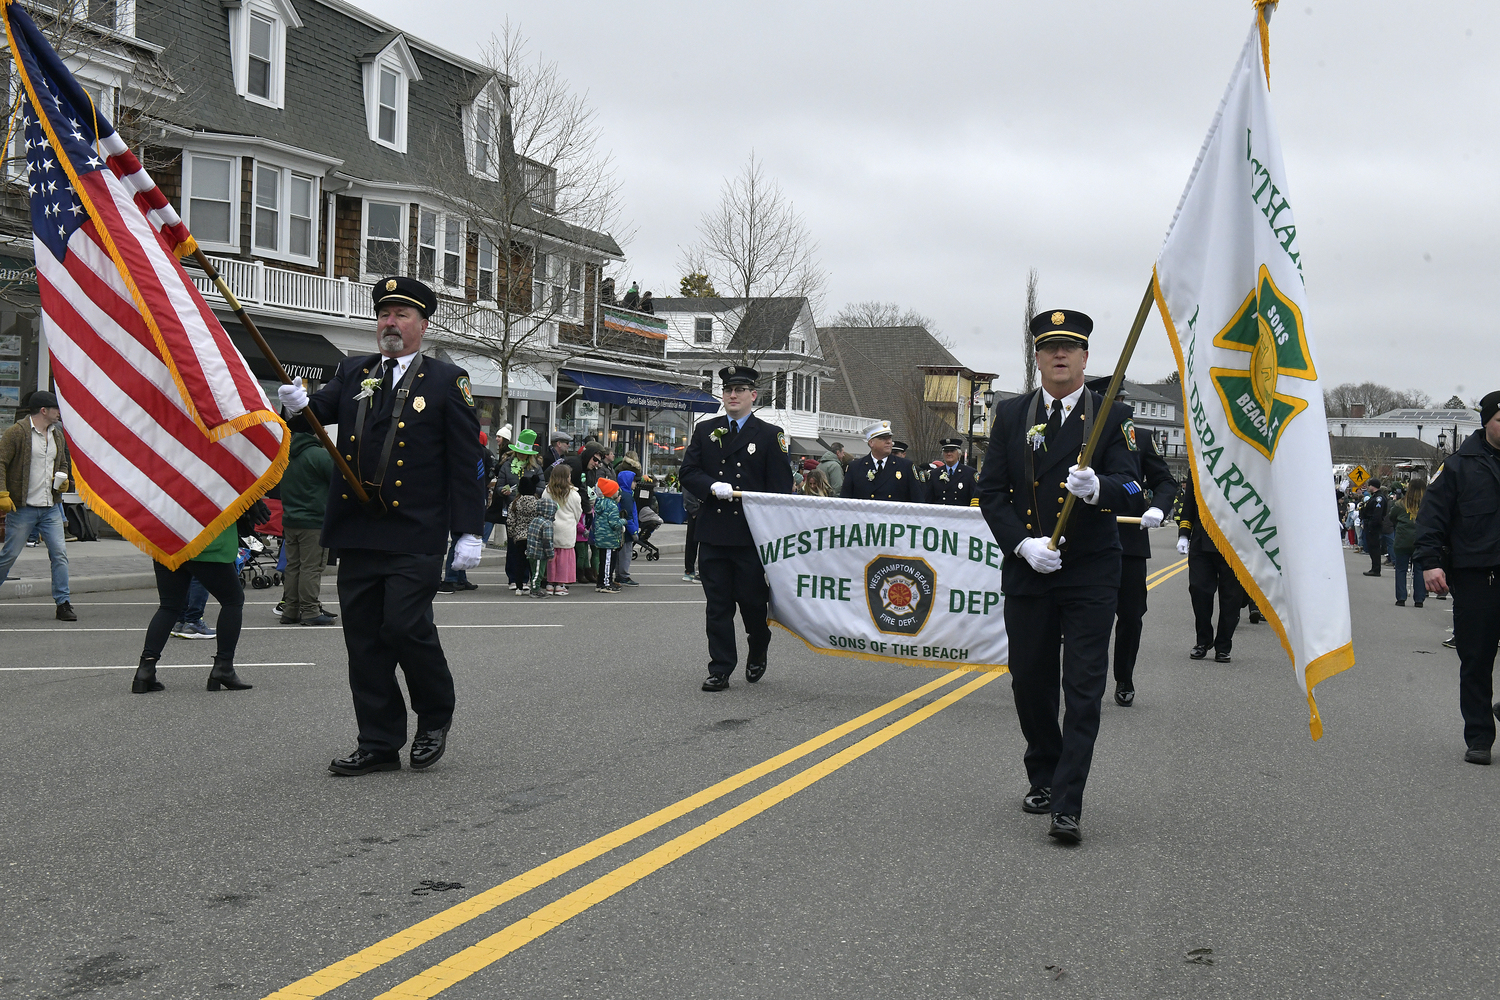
point(433, 980)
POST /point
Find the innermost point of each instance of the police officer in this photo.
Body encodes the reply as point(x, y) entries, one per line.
point(1209, 573)
point(1151, 504)
point(881, 475)
point(1458, 536)
point(407, 427)
point(1058, 600)
point(953, 482)
point(737, 451)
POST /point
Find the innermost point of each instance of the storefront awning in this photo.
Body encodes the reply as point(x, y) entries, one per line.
point(622, 391)
point(303, 355)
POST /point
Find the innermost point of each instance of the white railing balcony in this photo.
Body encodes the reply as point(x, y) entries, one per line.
point(842, 423)
point(253, 283)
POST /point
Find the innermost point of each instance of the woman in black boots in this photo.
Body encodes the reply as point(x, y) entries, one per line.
point(214, 568)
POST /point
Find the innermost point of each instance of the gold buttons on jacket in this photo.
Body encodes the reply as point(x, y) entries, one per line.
point(1028, 527)
point(401, 423)
point(1059, 499)
point(351, 437)
point(346, 496)
point(1028, 511)
point(398, 482)
point(348, 458)
point(401, 444)
point(399, 463)
point(395, 503)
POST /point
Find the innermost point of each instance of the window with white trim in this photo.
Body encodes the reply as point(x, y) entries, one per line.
point(257, 48)
point(388, 76)
point(210, 186)
point(383, 227)
point(285, 214)
point(440, 247)
point(703, 330)
point(427, 236)
point(481, 141)
point(485, 280)
point(557, 286)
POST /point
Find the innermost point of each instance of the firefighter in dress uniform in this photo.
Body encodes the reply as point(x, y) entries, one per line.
point(953, 482)
point(1058, 601)
point(1152, 505)
point(882, 475)
point(407, 427)
point(737, 451)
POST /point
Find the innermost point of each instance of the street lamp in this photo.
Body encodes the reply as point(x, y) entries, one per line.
point(1442, 441)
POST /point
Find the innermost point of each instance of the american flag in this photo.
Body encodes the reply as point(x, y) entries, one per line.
point(171, 435)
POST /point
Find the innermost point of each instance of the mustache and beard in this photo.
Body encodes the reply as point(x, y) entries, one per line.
point(391, 340)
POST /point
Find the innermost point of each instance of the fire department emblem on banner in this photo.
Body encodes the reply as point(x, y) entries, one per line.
point(899, 592)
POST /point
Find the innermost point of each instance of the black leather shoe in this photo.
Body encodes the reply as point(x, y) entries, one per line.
point(1199, 652)
point(447, 588)
point(428, 747)
point(145, 680)
point(1065, 829)
point(65, 612)
point(754, 672)
point(1038, 800)
point(365, 761)
point(1256, 618)
point(1372, 572)
point(716, 683)
point(1124, 697)
point(1221, 657)
point(468, 586)
point(223, 675)
point(1477, 755)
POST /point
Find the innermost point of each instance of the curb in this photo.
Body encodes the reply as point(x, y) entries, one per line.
point(80, 585)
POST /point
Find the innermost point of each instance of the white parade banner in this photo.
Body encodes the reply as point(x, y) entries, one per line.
point(901, 582)
point(1229, 287)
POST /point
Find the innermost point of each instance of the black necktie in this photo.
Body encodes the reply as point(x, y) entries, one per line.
point(734, 429)
point(1054, 422)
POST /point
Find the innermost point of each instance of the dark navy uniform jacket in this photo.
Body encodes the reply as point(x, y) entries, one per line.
point(1017, 507)
point(897, 481)
point(1160, 492)
point(434, 483)
point(957, 487)
point(756, 461)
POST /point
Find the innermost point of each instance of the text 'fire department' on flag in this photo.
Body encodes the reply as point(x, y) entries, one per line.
point(171, 435)
point(908, 583)
point(1228, 284)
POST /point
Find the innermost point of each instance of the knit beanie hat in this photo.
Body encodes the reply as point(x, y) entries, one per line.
point(1487, 407)
point(608, 487)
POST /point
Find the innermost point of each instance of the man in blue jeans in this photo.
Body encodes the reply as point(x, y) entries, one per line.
point(33, 474)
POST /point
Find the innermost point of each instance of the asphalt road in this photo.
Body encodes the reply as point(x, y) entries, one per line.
point(190, 844)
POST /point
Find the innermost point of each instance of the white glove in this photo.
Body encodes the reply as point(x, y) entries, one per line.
point(1041, 558)
point(722, 490)
point(1182, 545)
point(1083, 484)
point(466, 552)
point(292, 395)
point(1152, 518)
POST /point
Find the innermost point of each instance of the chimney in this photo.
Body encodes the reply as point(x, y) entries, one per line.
point(1357, 410)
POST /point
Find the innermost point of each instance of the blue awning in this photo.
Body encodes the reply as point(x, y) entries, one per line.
point(622, 391)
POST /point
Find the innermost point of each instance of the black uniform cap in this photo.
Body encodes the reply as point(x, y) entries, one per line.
point(1061, 323)
point(739, 375)
point(947, 443)
point(398, 290)
point(898, 446)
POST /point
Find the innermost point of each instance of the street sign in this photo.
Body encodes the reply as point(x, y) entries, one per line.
point(1358, 477)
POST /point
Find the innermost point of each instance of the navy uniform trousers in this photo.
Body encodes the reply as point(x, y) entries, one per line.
point(1075, 622)
point(732, 576)
point(1130, 612)
point(386, 600)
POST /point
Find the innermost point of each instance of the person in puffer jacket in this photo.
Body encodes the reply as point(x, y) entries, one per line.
point(632, 523)
point(607, 534)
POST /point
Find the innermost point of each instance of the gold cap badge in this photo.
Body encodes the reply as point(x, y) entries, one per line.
point(1057, 318)
point(390, 286)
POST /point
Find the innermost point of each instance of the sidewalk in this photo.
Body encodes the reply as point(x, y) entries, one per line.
point(113, 564)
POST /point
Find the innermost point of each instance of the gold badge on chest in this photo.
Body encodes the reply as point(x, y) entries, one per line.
point(419, 404)
point(898, 475)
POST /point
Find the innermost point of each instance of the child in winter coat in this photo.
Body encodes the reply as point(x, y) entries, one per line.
point(626, 478)
point(539, 543)
point(562, 570)
point(607, 534)
point(518, 519)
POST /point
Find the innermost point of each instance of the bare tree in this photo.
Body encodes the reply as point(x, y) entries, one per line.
point(754, 244)
point(1376, 397)
point(531, 175)
point(877, 314)
point(1028, 345)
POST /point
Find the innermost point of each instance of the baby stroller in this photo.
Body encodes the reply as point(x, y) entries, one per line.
point(260, 545)
point(649, 519)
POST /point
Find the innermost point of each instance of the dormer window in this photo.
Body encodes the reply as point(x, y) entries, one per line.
point(257, 48)
point(481, 144)
point(389, 71)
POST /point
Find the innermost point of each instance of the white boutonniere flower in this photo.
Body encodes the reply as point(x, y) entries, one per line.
point(718, 435)
point(367, 388)
point(1034, 435)
point(870, 475)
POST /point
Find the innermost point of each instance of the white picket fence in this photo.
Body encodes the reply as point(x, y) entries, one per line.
point(254, 283)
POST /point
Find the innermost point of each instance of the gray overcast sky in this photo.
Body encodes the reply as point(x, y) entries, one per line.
point(938, 150)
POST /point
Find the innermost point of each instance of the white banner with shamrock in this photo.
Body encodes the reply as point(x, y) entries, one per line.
point(906, 583)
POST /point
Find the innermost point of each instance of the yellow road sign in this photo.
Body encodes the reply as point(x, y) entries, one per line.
point(1358, 477)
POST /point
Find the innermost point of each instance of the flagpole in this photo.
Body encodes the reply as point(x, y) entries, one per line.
point(265, 348)
point(1085, 456)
